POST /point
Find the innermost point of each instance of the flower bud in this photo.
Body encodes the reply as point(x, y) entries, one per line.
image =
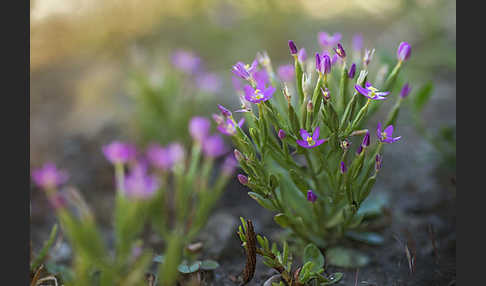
point(352, 71)
point(302, 55)
point(344, 169)
point(326, 64)
point(281, 134)
point(318, 62)
point(405, 91)
point(403, 52)
point(310, 106)
point(238, 155)
point(243, 179)
point(224, 111)
point(378, 162)
point(340, 51)
point(368, 57)
point(311, 197)
point(325, 94)
point(293, 48)
point(366, 140)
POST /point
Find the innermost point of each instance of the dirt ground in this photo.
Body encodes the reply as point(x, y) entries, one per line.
point(421, 210)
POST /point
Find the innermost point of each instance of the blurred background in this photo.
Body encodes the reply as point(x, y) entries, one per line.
point(95, 64)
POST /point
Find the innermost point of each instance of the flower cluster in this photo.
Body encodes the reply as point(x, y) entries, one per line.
point(298, 147)
point(166, 186)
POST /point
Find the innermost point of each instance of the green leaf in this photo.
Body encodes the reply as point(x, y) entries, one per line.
point(373, 205)
point(189, 268)
point(346, 257)
point(299, 181)
point(423, 96)
point(282, 220)
point(333, 279)
point(314, 255)
point(159, 258)
point(366, 237)
point(209, 264)
point(262, 201)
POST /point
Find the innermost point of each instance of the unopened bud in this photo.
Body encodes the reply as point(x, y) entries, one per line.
point(224, 111)
point(292, 47)
point(340, 51)
point(243, 179)
point(310, 106)
point(286, 93)
point(368, 56)
point(344, 169)
point(281, 134)
point(325, 94)
point(238, 155)
point(378, 162)
point(352, 71)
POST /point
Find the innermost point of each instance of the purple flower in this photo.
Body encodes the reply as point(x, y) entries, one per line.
point(48, 177)
point(209, 82)
point(325, 93)
point(302, 55)
point(228, 126)
point(214, 146)
point(226, 113)
point(286, 72)
point(327, 40)
point(186, 61)
point(261, 76)
point(243, 179)
point(387, 134)
point(177, 152)
point(243, 70)
point(343, 168)
point(159, 157)
point(310, 141)
point(311, 197)
point(357, 42)
point(281, 134)
point(366, 140)
point(405, 90)
point(323, 63)
point(340, 51)
point(199, 128)
point(403, 52)
point(139, 184)
point(119, 152)
point(371, 92)
point(378, 162)
point(352, 71)
point(292, 47)
point(229, 165)
point(260, 93)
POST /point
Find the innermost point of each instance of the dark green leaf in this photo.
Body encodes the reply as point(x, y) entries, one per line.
point(314, 255)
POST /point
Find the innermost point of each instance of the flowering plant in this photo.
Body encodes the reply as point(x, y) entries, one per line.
point(172, 191)
point(297, 155)
point(158, 97)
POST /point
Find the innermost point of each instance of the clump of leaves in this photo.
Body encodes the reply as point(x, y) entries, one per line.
point(281, 260)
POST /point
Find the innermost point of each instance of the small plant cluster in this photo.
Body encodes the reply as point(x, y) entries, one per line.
point(165, 188)
point(298, 154)
point(311, 270)
point(186, 82)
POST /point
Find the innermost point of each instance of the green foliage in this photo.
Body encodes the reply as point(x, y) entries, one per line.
point(281, 172)
point(281, 260)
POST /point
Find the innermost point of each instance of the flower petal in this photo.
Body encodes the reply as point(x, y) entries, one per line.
point(303, 143)
point(362, 90)
point(389, 131)
point(315, 135)
point(304, 134)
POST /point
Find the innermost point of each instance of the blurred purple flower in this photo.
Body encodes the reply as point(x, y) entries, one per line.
point(405, 90)
point(229, 165)
point(177, 152)
point(119, 152)
point(185, 61)
point(358, 42)
point(310, 141)
point(286, 72)
point(243, 70)
point(227, 126)
point(214, 146)
point(371, 92)
point(387, 134)
point(199, 128)
point(159, 157)
point(139, 184)
point(311, 197)
point(48, 177)
point(236, 83)
point(327, 40)
point(368, 56)
point(302, 55)
point(209, 82)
